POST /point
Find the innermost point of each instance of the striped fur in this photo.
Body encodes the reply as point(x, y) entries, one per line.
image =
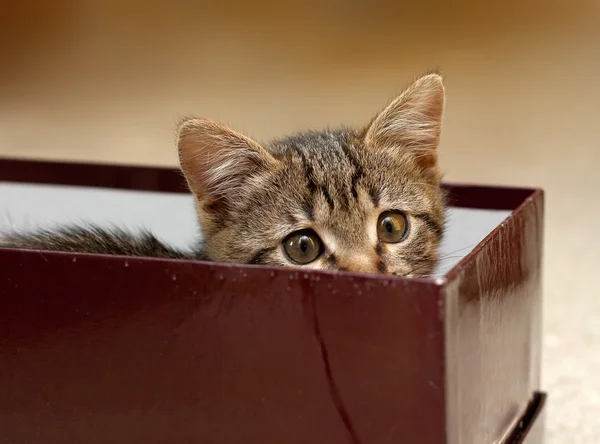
point(250, 196)
point(335, 182)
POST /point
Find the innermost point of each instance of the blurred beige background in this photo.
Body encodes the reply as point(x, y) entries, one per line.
point(106, 80)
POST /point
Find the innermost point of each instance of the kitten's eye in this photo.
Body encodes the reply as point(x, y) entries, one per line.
point(392, 227)
point(302, 247)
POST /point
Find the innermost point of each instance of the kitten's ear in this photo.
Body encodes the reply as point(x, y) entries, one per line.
point(412, 121)
point(217, 161)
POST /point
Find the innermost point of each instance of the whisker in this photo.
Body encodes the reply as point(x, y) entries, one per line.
point(441, 259)
point(415, 269)
point(450, 265)
point(456, 251)
point(450, 257)
point(438, 269)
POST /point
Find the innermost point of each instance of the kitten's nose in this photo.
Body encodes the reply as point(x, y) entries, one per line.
point(360, 263)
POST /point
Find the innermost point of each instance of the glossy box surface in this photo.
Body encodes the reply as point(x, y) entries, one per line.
point(97, 349)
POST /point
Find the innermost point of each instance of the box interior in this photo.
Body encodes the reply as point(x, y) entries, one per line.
point(171, 216)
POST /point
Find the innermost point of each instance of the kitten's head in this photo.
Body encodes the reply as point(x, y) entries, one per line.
point(359, 200)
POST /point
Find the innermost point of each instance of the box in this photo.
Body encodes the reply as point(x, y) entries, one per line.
point(107, 349)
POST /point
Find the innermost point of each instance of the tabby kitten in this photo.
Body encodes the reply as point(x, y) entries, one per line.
point(365, 200)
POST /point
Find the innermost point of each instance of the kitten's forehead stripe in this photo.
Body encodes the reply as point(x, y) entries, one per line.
point(358, 172)
point(313, 187)
point(328, 197)
point(310, 212)
point(308, 171)
point(375, 196)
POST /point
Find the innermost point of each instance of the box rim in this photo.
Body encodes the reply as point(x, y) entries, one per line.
point(536, 193)
point(168, 179)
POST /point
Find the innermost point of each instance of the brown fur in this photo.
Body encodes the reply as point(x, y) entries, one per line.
point(251, 196)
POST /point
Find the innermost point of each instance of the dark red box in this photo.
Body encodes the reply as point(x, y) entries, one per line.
point(101, 349)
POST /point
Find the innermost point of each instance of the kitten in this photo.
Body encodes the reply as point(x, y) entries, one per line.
point(365, 200)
